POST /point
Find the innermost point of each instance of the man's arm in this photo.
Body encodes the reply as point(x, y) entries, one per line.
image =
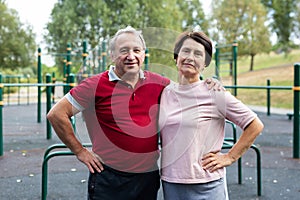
point(59, 117)
point(214, 84)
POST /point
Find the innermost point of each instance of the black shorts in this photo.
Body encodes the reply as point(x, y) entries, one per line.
point(113, 184)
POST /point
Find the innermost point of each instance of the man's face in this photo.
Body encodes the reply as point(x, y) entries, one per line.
point(128, 55)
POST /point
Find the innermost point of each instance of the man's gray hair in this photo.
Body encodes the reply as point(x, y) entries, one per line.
point(128, 29)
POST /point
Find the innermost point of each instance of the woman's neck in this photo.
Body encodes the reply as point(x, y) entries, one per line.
point(185, 80)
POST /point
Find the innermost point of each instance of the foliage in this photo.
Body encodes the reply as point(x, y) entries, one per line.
point(16, 40)
point(282, 20)
point(243, 22)
point(97, 20)
point(297, 20)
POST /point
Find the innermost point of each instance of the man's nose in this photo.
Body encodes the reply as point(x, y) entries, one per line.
point(130, 55)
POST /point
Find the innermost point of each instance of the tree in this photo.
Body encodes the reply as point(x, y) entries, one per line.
point(194, 16)
point(17, 40)
point(297, 20)
point(282, 20)
point(97, 20)
point(244, 22)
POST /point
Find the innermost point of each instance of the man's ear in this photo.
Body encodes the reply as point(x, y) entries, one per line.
point(112, 57)
point(144, 56)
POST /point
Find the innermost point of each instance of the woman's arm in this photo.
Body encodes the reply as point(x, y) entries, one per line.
point(214, 160)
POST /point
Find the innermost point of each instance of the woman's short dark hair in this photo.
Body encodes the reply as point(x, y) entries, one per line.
point(199, 37)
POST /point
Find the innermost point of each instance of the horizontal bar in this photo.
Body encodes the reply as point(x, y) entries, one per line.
point(72, 84)
point(35, 84)
point(223, 46)
point(260, 87)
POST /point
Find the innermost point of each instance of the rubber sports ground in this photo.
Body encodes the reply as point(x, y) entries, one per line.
point(24, 144)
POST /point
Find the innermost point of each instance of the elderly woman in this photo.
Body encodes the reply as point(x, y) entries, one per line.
point(192, 120)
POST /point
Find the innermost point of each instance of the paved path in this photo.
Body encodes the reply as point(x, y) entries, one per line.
point(25, 142)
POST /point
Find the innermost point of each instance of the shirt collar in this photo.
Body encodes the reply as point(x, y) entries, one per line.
point(113, 77)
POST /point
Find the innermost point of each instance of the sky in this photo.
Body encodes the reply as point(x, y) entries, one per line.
point(33, 12)
point(37, 14)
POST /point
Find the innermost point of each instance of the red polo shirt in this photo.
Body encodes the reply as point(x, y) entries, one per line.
point(121, 120)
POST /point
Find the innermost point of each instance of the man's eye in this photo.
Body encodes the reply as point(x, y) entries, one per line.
point(123, 51)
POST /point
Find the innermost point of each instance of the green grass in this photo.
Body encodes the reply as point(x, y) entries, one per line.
point(268, 60)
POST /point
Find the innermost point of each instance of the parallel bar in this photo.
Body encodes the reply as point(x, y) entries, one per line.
point(296, 111)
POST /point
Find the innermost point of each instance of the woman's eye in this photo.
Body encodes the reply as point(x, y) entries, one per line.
point(198, 54)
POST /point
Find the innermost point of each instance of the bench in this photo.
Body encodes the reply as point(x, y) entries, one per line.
point(290, 115)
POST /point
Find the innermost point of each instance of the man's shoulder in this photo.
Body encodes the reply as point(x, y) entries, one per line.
point(97, 77)
point(152, 76)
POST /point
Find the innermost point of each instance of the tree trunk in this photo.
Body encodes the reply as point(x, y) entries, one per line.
point(251, 62)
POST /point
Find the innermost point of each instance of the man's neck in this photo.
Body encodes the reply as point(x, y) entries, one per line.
point(130, 78)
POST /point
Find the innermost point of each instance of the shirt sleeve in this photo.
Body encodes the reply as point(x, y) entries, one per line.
point(74, 102)
point(234, 110)
point(83, 95)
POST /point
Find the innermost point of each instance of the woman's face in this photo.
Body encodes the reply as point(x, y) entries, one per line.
point(191, 58)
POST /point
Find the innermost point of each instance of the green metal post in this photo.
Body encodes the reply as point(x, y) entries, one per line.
point(45, 179)
point(19, 94)
point(103, 55)
point(39, 71)
point(296, 110)
point(53, 87)
point(65, 70)
point(99, 59)
point(69, 63)
point(217, 61)
point(84, 57)
point(1, 116)
point(71, 85)
point(65, 75)
point(234, 54)
point(268, 97)
point(8, 90)
point(147, 55)
point(28, 89)
point(48, 102)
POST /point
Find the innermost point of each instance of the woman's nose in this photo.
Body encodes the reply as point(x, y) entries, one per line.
point(190, 56)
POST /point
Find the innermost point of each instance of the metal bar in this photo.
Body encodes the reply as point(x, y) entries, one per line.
point(35, 84)
point(258, 168)
point(268, 97)
point(260, 87)
point(47, 156)
point(1, 116)
point(48, 105)
point(39, 70)
point(296, 110)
